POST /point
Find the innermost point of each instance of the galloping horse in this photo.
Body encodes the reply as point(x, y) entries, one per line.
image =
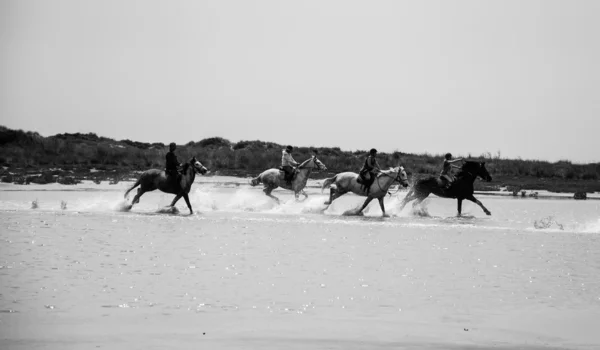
point(153, 179)
point(273, 178)
point(461, 188)
point(346, 182)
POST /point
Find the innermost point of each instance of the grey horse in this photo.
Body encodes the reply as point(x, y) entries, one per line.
point(347, 182)
point(273, 178)
point(153, 179)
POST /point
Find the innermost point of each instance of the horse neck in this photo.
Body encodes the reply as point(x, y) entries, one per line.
point(387, 181)
point(190, 174)
point(303, 174)
point(467, 175)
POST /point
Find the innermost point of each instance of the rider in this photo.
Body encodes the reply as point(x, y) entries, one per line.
point(446, 174)
point(172, 164)
point(288, 164)
point(369, 170)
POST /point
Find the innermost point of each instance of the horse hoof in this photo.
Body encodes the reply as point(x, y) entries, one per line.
point(327, 203)
point(385, 216)
point(488, 213)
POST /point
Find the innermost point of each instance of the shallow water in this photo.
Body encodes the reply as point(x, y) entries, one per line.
point(243, 272)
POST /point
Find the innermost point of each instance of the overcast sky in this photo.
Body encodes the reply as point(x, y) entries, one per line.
point(519, 77)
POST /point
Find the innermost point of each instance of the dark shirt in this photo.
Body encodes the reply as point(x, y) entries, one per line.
point(172, 162)
point(446, 169)
point(370, 164)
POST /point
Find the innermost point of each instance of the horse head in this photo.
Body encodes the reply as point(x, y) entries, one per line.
point(318, 163)
point(402, 177)
point(313, 162)
point(198, 167)
point(477, 169)
point(397, 173)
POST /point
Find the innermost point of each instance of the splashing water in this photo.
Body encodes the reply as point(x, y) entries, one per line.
point(591, 227)
point(546, 223)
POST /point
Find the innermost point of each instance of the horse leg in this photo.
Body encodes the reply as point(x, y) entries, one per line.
point(177, 197)
point(459, 205)
point(409, 197)
point(382, 207)
point(367, 201)
point(136, 199)
point(333, 195)
point(419, 199)
point(187, 201)
point(304, 193)
point(474, 200)
point(268, 191)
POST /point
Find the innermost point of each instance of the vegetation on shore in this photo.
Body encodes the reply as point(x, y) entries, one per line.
point(28, 157)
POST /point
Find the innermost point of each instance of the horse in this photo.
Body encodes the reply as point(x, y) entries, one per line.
point(347, 182)
point(461, 188)
point(153, 179)
point(274, 178)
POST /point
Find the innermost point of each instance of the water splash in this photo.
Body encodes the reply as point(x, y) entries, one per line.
point(168, 210)
point(591, 227)
point(204, 200)
point(546, 223)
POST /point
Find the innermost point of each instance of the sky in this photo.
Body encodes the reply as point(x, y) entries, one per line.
point(520, 78)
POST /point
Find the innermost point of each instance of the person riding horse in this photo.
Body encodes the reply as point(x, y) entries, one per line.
point(369, 170)
point(172, 163)
point(446, 174)
point(288, 164)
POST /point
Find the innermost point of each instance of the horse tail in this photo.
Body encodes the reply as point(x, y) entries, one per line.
point(136, 184)
point(255, 181)
point(328, 182)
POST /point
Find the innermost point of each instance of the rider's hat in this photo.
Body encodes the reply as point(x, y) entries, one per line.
point(172, 145)
point(373, 151)
point(289, 148)
point(448, 155)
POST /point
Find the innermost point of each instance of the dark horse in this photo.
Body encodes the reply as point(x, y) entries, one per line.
point(461, 188)
point(153, 179)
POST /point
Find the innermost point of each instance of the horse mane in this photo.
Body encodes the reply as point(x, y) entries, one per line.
point(304, 162)
point(467, 167)
point(390, 170)
point(186, 166)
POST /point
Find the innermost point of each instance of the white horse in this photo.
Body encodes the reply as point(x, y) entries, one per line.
point(274, 178)
point(347, 182)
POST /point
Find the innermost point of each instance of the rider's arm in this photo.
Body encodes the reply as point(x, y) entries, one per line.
point(376, 167)
point(455, 160)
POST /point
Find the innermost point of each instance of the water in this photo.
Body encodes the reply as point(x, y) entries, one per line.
point(243, 272)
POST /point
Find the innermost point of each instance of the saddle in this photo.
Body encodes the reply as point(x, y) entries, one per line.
point(283, 174)
point(364, 181)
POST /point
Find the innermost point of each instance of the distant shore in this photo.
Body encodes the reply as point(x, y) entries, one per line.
point(29, 158)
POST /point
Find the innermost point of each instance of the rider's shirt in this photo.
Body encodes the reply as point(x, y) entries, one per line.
point(172, 162)
point(447, 169)
point(287, 160)
point(370, 164)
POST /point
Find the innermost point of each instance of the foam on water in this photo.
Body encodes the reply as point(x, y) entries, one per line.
point(590, 227)
point(432, 212)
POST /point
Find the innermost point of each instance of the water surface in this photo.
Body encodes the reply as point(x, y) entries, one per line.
point(245, 273)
